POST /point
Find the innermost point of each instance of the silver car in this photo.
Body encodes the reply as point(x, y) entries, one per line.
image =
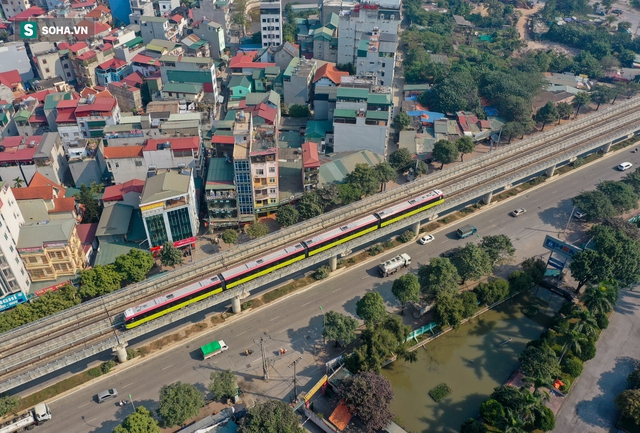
point(107, 395)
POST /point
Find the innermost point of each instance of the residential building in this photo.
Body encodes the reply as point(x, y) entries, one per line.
point(189, 92)
point(51, 250)
point(145, 65)
point(127, 47)
point(335, 168)
point(11, 86)
point(166, 6)
point(174, 152)
point(239, 86)
point(48, 61)
point(128, 92)
point(375, 56)
point(245, 63)
point(112, 70)
point(328, 75)
point(271, 22)
point(95, 113)
point(152, 27)
point(169, 208)
point(220, 194)
point(14, 56)
point(128, 193)
point(44, 200)
point(195, 46)
point(87, 235)
point(361, 120)
point(13, 277)
point(282, 55)
point(7, 125)
point(214, 11)
point(473, 127)
point(85, 61)
point(12, 8)
point(310, 166)
point(213, 33)
point(26, 120)
point(161, 47)
point(297, 79)
point(66, 123)
point(264, 168)
point(447, 129)
point(325, 39)
point(192, 70)
point(242, 136)
point(114, 223)
point(101, 14)
point(123, 163)
point(140, 8)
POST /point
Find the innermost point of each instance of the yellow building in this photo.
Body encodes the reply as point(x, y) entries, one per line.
point(51, 250)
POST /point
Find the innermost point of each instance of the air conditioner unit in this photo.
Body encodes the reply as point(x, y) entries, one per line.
point(182, 165)
point(152, 167)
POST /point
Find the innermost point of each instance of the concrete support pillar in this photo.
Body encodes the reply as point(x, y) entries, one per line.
point(333, 263)
point(416, 228)
point(121, 352)
point(235, 305)
point(550, 171)
point(487, 198)
point(606, 148)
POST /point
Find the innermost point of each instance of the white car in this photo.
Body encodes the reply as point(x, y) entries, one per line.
point(625, 166)
point(579, 214)
point(426, 239)
point(518, 212)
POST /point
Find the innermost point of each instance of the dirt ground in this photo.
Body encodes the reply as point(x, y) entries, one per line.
point(523, 29)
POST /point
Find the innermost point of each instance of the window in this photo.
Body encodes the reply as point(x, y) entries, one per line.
point(384, 64)
point(272, 180)
point(44, 61)
point(11, 248)
point(138, 163)
point(117, 165)
point(66, 66)
point(68, 74)
point(264, 20)
point(277, 27)
point(264, 28)
point(272, 169)
point(260, 171)
point(22, 271)
point(47, 70)
point(17, 261)
point(180, 224)
point(272, 190)
point(157, 231)
point(382, 73)
point(33, 260)
point(6, 237)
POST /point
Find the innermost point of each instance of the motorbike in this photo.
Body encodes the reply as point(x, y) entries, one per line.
point(248, 352)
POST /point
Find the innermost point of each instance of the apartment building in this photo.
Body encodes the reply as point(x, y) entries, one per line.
point(93, 114)
point(85, 61)
point(220, 196)
point(271, 22)
point(297, 80)
point(192, 70)
point(13, 277)
point(152, 27)
point(174, 152)
point(11, 8)
point(128, 94)
point(376, 56)
point(51, 62)
point(51, 249)
point(310, 166)
point(213, 33)
point(112, 70)
point(264, 169)
point(214, 11)
point(242, 137)
point(140, 8)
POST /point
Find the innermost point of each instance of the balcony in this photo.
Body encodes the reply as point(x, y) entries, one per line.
point(260, 184)
point(169, 204)
point(231, 195)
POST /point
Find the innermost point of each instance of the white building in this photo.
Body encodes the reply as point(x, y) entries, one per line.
point(271, 22)
point(14, 7)
point(13, 277)
point(169, 208)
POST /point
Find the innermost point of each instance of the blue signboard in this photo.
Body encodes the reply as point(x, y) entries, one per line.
point(560, 247)
point(12, 300)
point(555, 263)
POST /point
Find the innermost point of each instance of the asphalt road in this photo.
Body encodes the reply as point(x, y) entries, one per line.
point(295, 323)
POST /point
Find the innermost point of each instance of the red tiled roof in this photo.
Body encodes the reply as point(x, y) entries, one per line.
point(222, 139)
point(263, 110)
point(117, 192)
point(10, 78)
point(88, 91)
point(38, 118)
point(102, 105)
point(246, 60)
point(83, 4)
point(114, 63)
point(95, 28)
point(177, 18)
point(87, 232)
point(40, 179)
point(147, 60)
point(66, 115)
point(184, 143)
point(42, 94)
point(134, 79)
point(88, 55)
point(126, 86)
point(77, 47)
point(119, 152)
point(33, 193)
point(103, 47)
point(67, 103)
point(63, 45)
point(98, 11)
point(103, 93)
point(63, 205)
point(310, 155)
point(329, 71)
point(12, 141)
point(33, 11)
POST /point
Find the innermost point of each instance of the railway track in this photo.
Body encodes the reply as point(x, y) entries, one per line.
point(92, 325)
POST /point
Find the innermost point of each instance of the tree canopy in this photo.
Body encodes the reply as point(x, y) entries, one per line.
point(368, 396)
point(547, 114)
point(365, 178)
point(465, 145)
point(472, 262)
point(340, 328)
point(401, 159)
point(401, 121)
point(257, 230)
point(134, 265)
point(445, 152)
point(179, 402)
point(595, 204)
point(287, 216)
point(271, 416)
point(141, 421)
point(170, 255)
point(539, 363)
point(498, 247)
point(230, 236)
point(370, 308)
point(440, 275)
point(92, 210)
point(406, 289)
point(223, 384)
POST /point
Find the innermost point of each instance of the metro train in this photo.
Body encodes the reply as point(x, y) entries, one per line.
point(278, 259)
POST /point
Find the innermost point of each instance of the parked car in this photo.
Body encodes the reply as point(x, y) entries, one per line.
point(447, 254)
point(426, 239)
point(107, 395)
point(579, 214)
point(625, 166)
point(518, 212)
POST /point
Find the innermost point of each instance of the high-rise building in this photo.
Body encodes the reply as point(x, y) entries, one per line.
point(271, 22)
point(13, 277)
point(242, 129)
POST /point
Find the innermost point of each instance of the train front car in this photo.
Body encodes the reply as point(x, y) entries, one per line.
point(340, 235)
point(172, 301)
point(410, 208)
point(262, 266)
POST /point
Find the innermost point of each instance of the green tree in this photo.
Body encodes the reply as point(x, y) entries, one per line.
point(141, 421)
point(590, 267)
point(449, 310)
point(547, 114)
point(310, 205)
point(564, 110)
point(386, 173)
point(574, 341)
point(239, 16)
point(406, 289)
point(629, 404)
point(368, 396)
point(170, 255)
point(491, 412)
point(473, 426)
point(271, 416)
point(536, 268)
point(439, 276)
point(622, 196)
point(595, 204)
point(493, 291)
point(582, 99)
point(18, 182)
point(370, 308)
point(349, 193)
point(401, 121)
point(134, 265)
point(287, 216)
point(298, 110)
point(498, 247)
point(8, 404)
point(329, 196)
point(539, 364)
point(99, 281)
point(257, 230)
point(602, 95)
point(597, 300)
point(421, 168)
point(633, 179)
point(472, 262)
point(513, 129)
point(586, 324)
point(179, 402)
point(230, 236)
point(444, 152)
point(401, 159)
point(519, 281)
point(633, 379)
point(91, 213)
point(469, 303)
point(465, 145)
point(365, 178)
point(223, 384)
point(339, 327)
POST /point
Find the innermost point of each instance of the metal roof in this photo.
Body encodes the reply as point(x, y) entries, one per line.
point(164, 186)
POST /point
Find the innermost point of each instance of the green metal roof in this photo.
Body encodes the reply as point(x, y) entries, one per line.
point(241, 81)
point(3, 118)
point(332, 21)
point(337, 170)
point(51, 101)
point(377, 115)
point(344, 113)
point(350, 93)
point(182, 88)
point(219, 174)
point(223, 124)
point(292, 65)
point(133, 42)
point(317, 129)
point(323, 33)
point(410, 87)
point(22, 115)
point(378, 98)
point(272, 70)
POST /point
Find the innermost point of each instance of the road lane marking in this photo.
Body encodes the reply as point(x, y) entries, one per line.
point(243, 332)
point(84, 405)
point(127, 385)
point(336, 290)
point(274, 319)
point(90, 420)
point(307, 304)
point(168, 366)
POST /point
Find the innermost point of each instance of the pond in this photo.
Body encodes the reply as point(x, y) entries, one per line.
point(471, 361)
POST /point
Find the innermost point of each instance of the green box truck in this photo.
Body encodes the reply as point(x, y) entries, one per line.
point(213, 348)
point(466, 231)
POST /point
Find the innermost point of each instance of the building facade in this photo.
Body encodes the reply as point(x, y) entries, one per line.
point(297, 79)
point(242, 134)
point(220, 195)
point(13, 277)
point(271, 23)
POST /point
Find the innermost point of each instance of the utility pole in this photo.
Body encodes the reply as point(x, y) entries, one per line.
point(295, 381)
point(570, 216)
point(110, 323)
point(265, 364)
